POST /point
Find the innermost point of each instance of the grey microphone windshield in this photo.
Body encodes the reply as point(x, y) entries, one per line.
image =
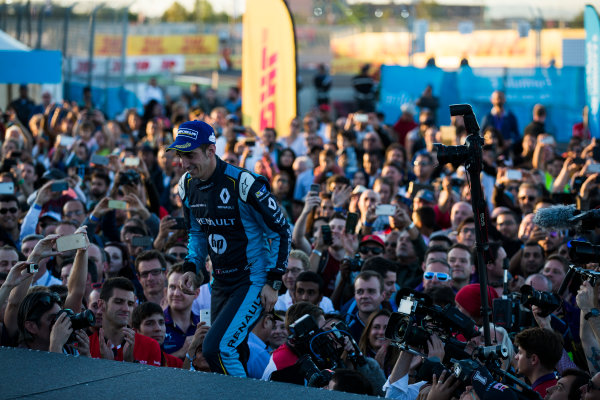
point(555, 217)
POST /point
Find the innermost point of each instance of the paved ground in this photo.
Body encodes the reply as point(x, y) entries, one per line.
point(39, 375)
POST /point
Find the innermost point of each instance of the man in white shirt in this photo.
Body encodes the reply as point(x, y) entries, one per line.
point(297, 264)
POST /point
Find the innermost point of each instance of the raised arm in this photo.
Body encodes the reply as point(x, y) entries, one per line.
point(78, 278)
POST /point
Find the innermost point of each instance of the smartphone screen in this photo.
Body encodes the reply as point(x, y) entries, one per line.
point(180, 223)
point(59, 186)
point(97, 159)
point(7, 188)
point(327, 237)
point(117, 204)
point(385, 210)
point(142, 241)
point(131, 162)
point(351, 221)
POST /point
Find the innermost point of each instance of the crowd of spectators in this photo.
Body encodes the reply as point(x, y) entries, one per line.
point(66, 169)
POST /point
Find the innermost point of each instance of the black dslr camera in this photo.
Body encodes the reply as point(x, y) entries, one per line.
point(129, 177)
point(83, 320)
point(418, 318)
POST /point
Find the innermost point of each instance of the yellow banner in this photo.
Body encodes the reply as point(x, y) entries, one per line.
point(268, 66)
point(111, 45)
point(498, 48)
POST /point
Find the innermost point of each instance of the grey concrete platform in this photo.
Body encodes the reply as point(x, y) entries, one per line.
point(40, 375)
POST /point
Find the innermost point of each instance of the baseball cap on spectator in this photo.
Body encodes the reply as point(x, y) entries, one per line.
point(489, 389)
point(192, 134)
point(425, 195)
point(469, 298)
point(373, 239)
point(51, 214)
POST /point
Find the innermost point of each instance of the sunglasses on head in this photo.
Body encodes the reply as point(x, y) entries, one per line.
point(372, 250)
point(11, 210)
point(440, 276)
point(43, 303)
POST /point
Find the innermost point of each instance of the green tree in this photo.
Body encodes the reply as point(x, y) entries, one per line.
point(429, 10)
point(175, 13)
point(577, 22)
point(203, 11)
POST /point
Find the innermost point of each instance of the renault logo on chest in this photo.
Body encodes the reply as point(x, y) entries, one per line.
point(225, 195)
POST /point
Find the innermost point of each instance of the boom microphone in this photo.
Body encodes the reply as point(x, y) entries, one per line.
point(555, 216)
point(562, 217)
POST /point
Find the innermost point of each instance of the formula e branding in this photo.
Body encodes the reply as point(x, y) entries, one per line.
point(217, 243)
point(225, 195)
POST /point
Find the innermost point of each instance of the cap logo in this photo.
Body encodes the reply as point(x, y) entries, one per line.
point(212, 138)
point(183, 146)
point(188, 132)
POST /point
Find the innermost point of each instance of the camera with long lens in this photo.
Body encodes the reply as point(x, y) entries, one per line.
point(308, 338)
point(546, 301)
point(355, 262)
point(129, 177)
point(583, 252)
point(315, 377)
point(83, 320)
point(418, 318)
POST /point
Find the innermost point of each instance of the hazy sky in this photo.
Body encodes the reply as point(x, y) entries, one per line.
point(523, 8)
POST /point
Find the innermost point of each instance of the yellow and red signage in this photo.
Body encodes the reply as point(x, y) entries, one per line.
point(268, 66)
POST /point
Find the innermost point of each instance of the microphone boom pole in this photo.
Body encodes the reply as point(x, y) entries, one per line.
point(471, 155)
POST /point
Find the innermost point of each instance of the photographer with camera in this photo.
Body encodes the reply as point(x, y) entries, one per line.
point(284, 364)
point(397, 386)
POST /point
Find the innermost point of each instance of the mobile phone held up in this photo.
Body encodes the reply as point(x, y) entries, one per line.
point(71, 242)
point(327, 236)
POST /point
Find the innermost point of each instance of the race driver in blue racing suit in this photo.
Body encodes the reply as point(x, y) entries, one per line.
point(232, 217)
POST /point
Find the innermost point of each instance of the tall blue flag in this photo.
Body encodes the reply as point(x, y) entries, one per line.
point(592, 68)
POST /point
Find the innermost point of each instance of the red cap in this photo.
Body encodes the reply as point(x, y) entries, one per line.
point(373, 238)
point(469, 298)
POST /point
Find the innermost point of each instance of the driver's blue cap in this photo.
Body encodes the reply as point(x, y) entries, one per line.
point(192, 134)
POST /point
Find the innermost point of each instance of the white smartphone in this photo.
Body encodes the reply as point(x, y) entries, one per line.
point(592, 169)
point(66, 141)
point(361, 118)
point(514, 175)
point(131, 161)
point(549, 140)
point(385, 210)
point(117, 204)
point(205, 316)
point(7, 188)
point(71, 242)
